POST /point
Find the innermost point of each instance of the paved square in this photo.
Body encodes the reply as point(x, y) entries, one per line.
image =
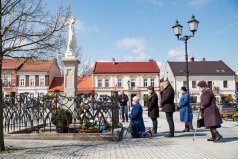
point(181, 146)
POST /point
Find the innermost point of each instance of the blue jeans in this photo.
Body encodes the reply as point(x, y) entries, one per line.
point(124, 112)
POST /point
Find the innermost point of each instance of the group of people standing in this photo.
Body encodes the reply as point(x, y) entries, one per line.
point(208, 109)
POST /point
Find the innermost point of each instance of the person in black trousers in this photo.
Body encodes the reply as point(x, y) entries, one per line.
point(168, 106)
point(153, 108)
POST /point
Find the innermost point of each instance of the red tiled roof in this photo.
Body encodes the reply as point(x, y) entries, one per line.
point(36, 66)
point(197, 68)
point(57, 84)
point(85, 84)
point(11, 63)
point(125, 67)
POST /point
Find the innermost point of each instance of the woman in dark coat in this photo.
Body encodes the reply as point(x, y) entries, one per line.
point(186, 114)
point(211, 115)
point(153, 108)
point(138, 127)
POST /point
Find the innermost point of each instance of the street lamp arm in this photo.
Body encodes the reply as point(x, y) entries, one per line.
point(185, 37)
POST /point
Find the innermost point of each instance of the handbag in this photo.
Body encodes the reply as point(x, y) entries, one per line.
point(200, 121)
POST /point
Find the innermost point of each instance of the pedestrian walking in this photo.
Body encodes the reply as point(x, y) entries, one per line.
point(137, 121)
point(168, 106)
point(186, 114)
point(153, 108)
point(123, 99)
point(210, 112)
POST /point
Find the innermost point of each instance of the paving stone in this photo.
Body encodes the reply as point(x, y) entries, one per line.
point(181, 146)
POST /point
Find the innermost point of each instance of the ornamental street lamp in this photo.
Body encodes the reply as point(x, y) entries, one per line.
point(177, 28)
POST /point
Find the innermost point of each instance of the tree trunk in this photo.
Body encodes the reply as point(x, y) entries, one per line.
point(1, 108)
point(1, 94)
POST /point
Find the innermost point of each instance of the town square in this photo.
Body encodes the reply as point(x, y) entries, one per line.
point(119, 79)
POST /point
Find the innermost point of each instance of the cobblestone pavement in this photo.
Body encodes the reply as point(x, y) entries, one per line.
point(158, 147)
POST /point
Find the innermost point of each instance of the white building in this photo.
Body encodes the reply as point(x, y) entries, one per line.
point(132, 77)
point(35, 76)
point(220, 78)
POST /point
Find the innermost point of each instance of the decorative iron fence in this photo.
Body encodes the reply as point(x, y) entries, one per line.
point(79, 114)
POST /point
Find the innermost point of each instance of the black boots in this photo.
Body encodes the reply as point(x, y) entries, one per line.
point(187, 128)
point(216, 137)
point(191, 127)
point(212, 138)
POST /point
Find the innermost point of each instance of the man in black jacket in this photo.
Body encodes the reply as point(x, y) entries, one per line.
point(153, 108)
point(168, 106)
point(123, 99)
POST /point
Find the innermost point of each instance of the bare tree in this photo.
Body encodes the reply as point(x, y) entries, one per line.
point(28, 29)
point(84, 68)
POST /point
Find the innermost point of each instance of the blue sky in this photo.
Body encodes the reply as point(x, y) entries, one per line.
point(139, 30)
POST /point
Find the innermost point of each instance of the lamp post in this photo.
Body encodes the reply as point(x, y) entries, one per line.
point(128, 83)
point(177, 28)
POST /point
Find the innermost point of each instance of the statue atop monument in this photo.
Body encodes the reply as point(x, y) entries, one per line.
point(71, 39)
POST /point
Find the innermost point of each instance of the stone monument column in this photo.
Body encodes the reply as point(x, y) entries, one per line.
point(70, 63)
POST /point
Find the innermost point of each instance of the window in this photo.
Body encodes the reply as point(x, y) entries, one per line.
point(194, 84)
point(145, 82)
point(119, 83)
point(6, 80)
point(152, 82)
point(225, 84)
point(185, 84)
point(42, 81)
point(106, 83)
point(133, 83)
point(100, 83)
point(32, 81)
point(22, 81)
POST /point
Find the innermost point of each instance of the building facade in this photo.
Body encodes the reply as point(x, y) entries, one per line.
point(132, 77)
point(35, 76)
point(219, 77)
point(10, 68)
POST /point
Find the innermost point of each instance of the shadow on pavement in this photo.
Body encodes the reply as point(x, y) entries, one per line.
point(229, 139)
point(189, 135)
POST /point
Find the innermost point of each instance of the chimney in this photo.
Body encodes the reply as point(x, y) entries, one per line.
point(113, 61)
point(192, 59)
point(203, 59)
point(151, 60)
